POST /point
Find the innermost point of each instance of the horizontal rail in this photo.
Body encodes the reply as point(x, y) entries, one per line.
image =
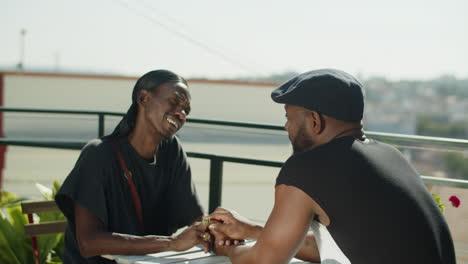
point(453, 142)
point(58, 111)
point(235, 124)
point(29, 207)
point(231, 159)
point(52, 227)
point(447, 182)
point(56, 144)
point(385, 137)
point(77, 145)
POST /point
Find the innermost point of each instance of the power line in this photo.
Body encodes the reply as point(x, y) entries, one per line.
point(187, 37)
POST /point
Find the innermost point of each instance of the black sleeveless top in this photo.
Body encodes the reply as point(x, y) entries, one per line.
point(379, 208)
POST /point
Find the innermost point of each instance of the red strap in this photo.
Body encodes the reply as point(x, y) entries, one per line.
point(34, 241)
point(131, 185)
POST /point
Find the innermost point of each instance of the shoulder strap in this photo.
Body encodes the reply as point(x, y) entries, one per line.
point(131, 185)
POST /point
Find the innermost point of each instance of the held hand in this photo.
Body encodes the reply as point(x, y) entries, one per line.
point(190, 237)
point(233, 226)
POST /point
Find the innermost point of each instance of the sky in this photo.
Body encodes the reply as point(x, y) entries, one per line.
point(398, 39)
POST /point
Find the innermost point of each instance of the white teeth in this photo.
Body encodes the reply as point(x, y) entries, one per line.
point(172, 122)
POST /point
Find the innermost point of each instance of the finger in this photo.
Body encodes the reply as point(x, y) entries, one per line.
point(219, 237)
point(206, 245)
point(201, 226)
point(231, 231)
point(222, 216)
point(219, 230)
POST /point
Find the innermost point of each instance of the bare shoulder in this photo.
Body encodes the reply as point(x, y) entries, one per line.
point(297, 199)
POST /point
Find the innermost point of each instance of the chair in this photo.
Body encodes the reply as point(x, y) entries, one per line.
point(36, 229)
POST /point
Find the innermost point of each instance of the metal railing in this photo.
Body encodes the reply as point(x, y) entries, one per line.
point(217, 161)
point(385, 137)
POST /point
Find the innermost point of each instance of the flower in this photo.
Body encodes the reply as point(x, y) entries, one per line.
point(455, 201)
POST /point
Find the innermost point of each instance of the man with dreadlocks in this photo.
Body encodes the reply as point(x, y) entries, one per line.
point(131, 190)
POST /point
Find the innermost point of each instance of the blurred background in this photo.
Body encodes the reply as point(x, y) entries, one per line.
point(86, 55)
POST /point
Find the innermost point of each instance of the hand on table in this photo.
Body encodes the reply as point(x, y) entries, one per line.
point(231, 227)
point(191, 237)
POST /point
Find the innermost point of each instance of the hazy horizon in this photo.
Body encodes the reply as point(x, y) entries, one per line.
point(416, 40)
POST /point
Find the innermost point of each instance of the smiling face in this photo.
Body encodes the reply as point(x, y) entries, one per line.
point(165, 110)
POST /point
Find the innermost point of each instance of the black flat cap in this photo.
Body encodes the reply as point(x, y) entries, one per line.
point(328, 91)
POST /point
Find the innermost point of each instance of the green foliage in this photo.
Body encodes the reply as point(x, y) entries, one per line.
point(439, 202)
point(457, 164)
point(15, 246)
point(438, 127)
point(13, 242)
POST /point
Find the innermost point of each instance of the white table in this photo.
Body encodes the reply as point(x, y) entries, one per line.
point(330, 253)
point(194, 255)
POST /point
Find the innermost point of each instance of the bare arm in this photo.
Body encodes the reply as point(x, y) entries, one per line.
point(94, 240)
point(237, 227)
point(284, 232)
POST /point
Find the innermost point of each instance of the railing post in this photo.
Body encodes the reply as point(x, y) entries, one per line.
point(216, 182)
point(101, 125)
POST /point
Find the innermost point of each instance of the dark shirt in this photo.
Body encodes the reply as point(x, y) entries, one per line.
point(97, 183)
point(379, 208)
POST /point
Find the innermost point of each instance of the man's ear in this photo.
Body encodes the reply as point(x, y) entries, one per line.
point(318, 123)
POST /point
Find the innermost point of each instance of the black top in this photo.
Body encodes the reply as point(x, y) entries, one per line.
point(379, 208)
point(97, 183)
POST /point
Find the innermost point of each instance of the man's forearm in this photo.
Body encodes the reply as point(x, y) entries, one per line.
point(241, 254)
point(254, 232)
point(123, 244)
point(309, 250)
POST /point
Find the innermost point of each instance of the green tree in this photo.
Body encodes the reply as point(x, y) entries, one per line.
point(457, 165)
point(439, 127)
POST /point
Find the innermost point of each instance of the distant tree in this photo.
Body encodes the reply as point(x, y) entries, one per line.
point(439, 127)
point(376, 88)
point(457, 165)
point(449, 85)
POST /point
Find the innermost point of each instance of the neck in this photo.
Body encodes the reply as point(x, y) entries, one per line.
point(352, 131)
point(144, 142)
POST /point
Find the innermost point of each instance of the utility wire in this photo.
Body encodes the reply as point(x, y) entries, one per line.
point(188, 38)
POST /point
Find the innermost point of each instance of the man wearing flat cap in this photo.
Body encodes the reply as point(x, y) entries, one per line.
point(371, 200)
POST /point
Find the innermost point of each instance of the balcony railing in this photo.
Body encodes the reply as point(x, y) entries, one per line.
point(217, 161)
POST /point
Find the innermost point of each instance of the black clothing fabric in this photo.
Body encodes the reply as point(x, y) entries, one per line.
point(379, 208)
point(97, 183)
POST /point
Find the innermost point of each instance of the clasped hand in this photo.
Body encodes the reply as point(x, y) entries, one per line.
point(220, 229)
point(228, 228)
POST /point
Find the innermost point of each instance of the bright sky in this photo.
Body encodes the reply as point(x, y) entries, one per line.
point(416, 39)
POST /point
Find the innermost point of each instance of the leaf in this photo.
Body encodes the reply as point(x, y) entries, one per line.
point(17, 219)
point(45, 245)
point(55, 188)
point(59, 249)
point(439, 202)
point(45, 191)
point(14, 233)
point(9, 243)
point(9, 199)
